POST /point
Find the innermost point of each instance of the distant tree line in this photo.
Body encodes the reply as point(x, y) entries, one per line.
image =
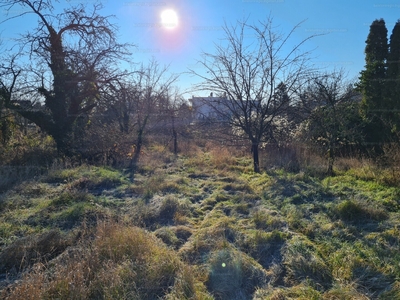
point(73, 89)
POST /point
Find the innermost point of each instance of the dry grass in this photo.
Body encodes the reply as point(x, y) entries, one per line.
point(189, 148)
point(344, 164)
point(122, 262)
point(12, 175)
point(32, 249)
point(152, 158)
point(222, 158)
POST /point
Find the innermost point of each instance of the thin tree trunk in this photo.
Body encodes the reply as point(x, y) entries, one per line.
point(331, 160)
point(256, 162)
point(136, 154)
point(175, 142)
point(138, 148)
point(175, 135)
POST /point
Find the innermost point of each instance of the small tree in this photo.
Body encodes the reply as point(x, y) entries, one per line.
point(331, 107)
point(248, 68)
point(175, 116)
point(150, 85)
point(133, 108)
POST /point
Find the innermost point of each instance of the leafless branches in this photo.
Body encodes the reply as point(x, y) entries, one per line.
point(248, 67)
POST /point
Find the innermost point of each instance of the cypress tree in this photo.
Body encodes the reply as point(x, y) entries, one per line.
point(373, 85)
point(393, 76)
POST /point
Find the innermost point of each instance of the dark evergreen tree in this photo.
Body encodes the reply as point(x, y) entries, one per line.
point(393, 77)
point(281, 97)
point(373, 83)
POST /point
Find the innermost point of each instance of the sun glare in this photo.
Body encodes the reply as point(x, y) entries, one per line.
point(169, 19)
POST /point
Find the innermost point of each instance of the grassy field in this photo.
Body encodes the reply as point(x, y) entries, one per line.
point(201, 226)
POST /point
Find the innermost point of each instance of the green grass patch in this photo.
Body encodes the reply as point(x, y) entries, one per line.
point(357, 211)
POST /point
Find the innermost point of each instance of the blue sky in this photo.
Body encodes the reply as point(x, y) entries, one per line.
point(345, 25)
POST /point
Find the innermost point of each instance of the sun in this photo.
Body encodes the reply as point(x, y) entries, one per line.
point(169, 19)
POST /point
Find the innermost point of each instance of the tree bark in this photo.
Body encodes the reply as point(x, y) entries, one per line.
point(138, 147)
point(256, 162)
point(175, 135)
point(331, 159)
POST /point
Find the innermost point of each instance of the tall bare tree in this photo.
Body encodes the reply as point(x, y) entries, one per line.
point(75, 54)
point(247, 67)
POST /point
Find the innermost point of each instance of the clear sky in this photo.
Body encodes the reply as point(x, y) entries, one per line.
point(345, 25)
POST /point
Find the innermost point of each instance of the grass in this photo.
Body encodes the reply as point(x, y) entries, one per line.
point(121, 262)
point(202, 225)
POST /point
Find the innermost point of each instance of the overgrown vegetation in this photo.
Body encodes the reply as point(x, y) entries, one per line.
point(111, 187)
point(201, 227)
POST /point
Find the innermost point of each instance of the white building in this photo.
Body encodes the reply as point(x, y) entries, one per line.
point(209, 108)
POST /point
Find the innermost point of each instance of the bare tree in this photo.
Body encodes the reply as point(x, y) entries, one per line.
point(133, 108)
point(149, 86)
point(8, 79)
point(76, 55)
point(175, 114)
point(247, 68)
point(329, 104)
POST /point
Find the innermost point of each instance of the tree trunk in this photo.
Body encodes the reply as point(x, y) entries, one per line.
point(136, 154)
point(254, 150)
point(331, 159)
point(138, 148)
point(175, 142)
point(175, 135)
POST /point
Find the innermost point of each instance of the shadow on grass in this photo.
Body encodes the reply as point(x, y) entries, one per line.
point(297, 190)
